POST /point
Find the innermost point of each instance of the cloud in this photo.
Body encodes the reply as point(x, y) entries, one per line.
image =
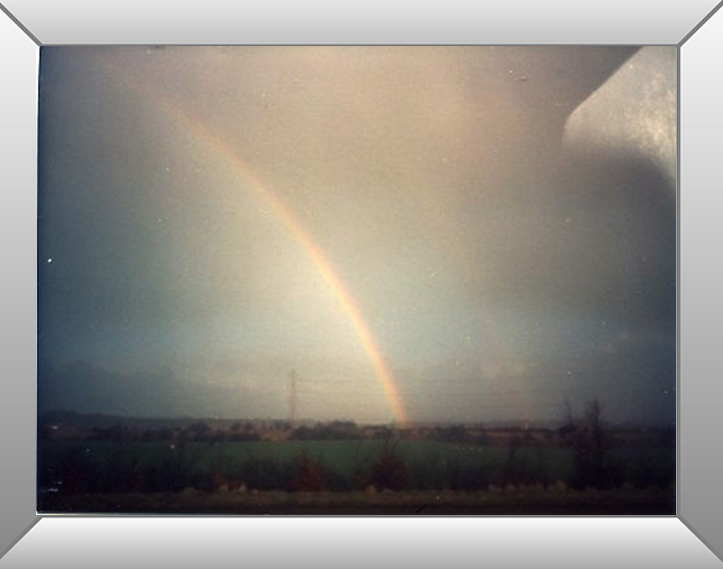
point(435, 180)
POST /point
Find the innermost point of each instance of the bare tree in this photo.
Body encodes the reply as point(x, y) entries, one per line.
point(590, 444)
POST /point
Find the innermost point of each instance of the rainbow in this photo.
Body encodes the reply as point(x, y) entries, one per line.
point(315, 254)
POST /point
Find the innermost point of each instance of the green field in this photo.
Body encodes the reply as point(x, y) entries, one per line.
point(341, 465)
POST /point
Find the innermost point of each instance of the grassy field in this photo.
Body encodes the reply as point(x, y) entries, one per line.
point(429, 464)
point(345, 477)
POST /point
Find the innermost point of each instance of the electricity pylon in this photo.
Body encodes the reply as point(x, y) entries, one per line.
point(292, 397)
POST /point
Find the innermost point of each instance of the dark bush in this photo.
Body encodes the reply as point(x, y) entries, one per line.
point(430, 474)
point(77, 472)
point(306, 475)
point(389, 470)
point(468, 478)
point(264, 474)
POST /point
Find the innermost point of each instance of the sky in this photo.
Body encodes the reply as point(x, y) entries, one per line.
point(475, 234)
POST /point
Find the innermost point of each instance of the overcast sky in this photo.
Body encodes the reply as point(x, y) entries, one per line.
point(458, 233)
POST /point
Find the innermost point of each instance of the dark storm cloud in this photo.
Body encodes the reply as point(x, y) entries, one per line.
point(96, 250)
point(597, 238)
point(90, 389)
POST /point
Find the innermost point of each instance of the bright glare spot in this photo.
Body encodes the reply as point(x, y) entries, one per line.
point(50, 259)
